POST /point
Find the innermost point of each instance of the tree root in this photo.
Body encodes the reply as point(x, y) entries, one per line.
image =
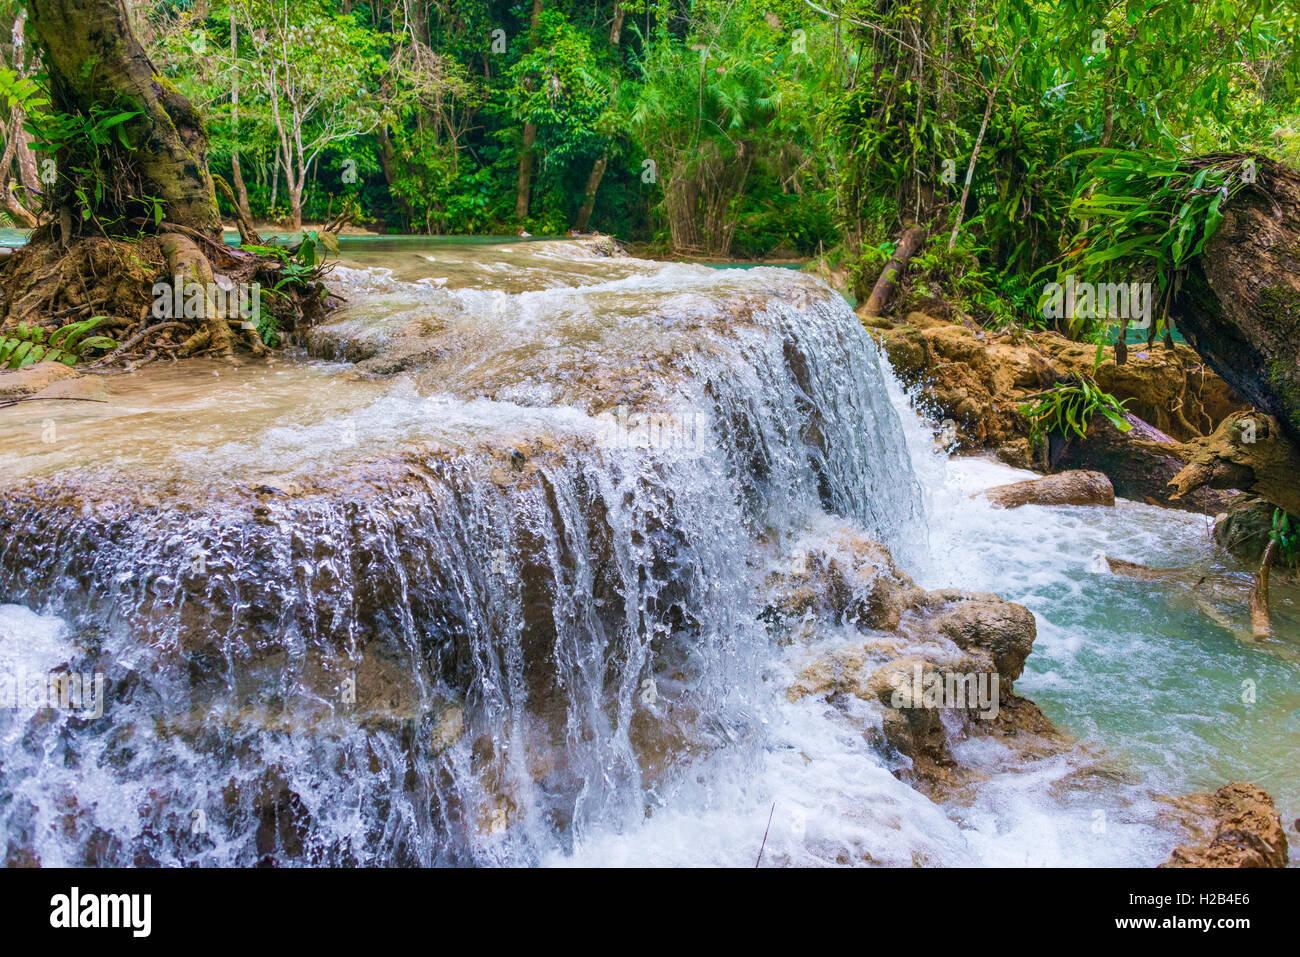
point(1248, 452)
point(188, 265)
point(43, 284)
point(1259, 615)
point(126, 347)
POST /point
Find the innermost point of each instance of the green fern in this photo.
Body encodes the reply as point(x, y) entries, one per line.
point(1067, 408)
point(24, 345)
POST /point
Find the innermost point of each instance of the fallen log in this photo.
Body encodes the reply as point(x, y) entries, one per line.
point(908, 245)
point(1140, 464)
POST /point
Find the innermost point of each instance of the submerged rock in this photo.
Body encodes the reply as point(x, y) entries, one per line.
point(1064, 488)
point(1236, 826)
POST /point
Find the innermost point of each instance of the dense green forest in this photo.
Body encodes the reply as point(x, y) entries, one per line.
point(729, 128)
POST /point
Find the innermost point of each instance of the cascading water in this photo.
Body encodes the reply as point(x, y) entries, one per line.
point(489, 591)
point(374, 622)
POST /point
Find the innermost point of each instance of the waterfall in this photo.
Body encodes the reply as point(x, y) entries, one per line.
point(489, 605)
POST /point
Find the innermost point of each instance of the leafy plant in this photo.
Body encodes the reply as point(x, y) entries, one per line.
point(24, 345)
point(1285, 537)
point(1149, 212)
point(300, 267)
point(1068, 407)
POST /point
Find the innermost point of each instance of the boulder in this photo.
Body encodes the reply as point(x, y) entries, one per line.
point(948, 634)
point(1075, 487)
point(1239, 827)
point(910, 728)
point(999, 634)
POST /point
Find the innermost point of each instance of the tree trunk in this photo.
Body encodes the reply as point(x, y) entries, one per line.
point(94, 60)
point(1247, 451)
point(1239, 303)
point(616, 31)
point(27, 171)
point(589, 196)
point(388, 164)
point(911, 241)
point(524, 190)
point(237, 174)
point(275, 179)
point(295, 207)
point(16, 210)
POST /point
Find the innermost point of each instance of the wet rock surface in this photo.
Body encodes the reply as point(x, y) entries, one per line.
point(452, 605)
point(1235, 826)
point(33, 379)
point(936, 667)
point(1063, 488)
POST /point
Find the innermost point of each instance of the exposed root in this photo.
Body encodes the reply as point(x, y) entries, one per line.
point(1259, 615)
point(43, 284)
point(189, 265)
point(1248, 452)
point(125, 348)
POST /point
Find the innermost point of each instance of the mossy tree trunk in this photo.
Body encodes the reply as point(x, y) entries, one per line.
point(1239, 305)
point(95, 63)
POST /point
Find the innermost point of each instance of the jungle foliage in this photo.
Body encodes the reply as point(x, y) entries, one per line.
point(1056, 136)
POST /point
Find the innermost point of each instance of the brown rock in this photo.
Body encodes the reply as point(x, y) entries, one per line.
point(988, 627)
point(912, 729)
point(1239, 827)
point(839, 672)
point(945, 632)
point(1064, 488)
point(34, 378)
point(909, 352)
point(1169, 388)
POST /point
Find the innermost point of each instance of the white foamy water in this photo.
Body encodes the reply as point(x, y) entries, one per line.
point(556, 642)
